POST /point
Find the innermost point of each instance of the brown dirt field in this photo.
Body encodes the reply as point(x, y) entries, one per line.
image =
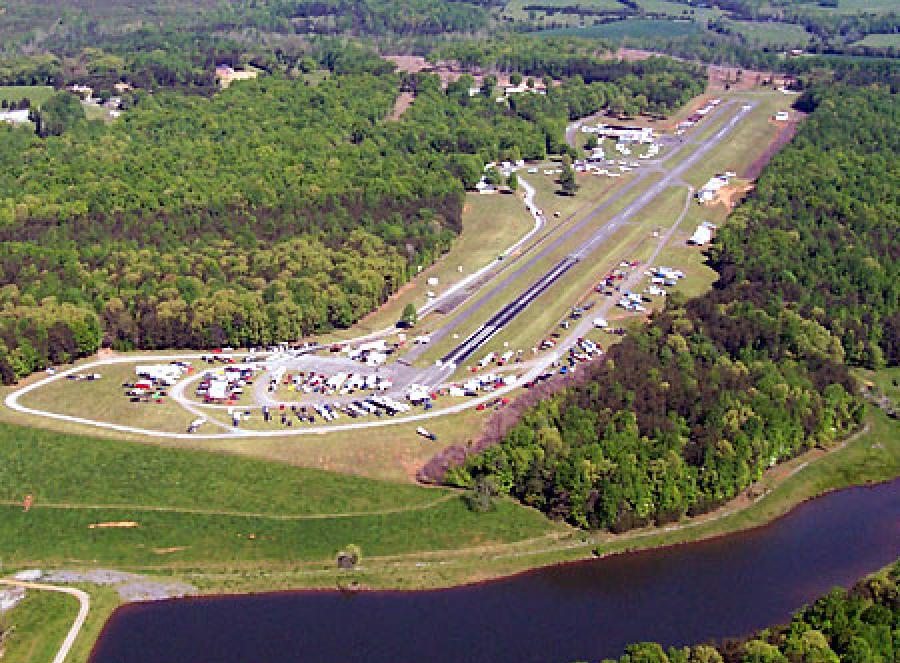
point(408, 63)
point(731, 195)
point(782, 138)
point(634, 54)
point(719, 75)
point(448, 71)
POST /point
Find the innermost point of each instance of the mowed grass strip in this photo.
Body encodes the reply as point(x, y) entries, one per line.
point(57, 537)
point(491, 224)
point(68, 469)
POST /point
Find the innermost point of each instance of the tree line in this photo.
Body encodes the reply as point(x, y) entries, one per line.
point(685, 414)
point(859, 625)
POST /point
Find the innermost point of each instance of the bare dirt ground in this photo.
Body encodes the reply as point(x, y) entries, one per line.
point(782, 138)
point(719, 75)
point(404, 101)
point(731, 195)
point(448, 71)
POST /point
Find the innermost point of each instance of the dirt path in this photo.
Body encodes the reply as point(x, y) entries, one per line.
point(782, 138)
point(236, 514)
point(403, 102)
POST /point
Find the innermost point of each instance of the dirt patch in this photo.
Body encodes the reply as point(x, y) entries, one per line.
point(732, 194)
point(449, 71)
point(782, 138)
point(634, 54)
point(412, 64)
point(720, 76)
point(404, 101)
point(169, 551)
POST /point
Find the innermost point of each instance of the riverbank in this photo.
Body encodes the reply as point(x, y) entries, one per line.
point(873, 456)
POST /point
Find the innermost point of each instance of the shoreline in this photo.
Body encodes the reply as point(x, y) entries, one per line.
point(313, 591)
point(449, 570)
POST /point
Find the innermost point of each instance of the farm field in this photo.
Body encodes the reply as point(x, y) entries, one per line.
point(880, 40)
point(38, 94)
point(853, 6)
point(772, 34)
point(637, 28)
point(679, 10)
point(516, 9)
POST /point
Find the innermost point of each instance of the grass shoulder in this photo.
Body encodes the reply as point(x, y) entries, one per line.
point(36, 627)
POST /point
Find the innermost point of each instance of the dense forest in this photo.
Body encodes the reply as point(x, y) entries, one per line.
point(844, 210)
point(861, 625)
point(270, 211)
point(686, 413)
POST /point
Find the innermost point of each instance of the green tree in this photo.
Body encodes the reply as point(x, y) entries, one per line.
point(567, 181)
point(409, 317)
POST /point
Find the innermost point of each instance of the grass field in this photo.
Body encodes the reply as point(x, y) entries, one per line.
point(38, 94)
point(772, 34)
point(37, 626)
point(217, 511)
point(104, 400)
point(679, 10)
point(854, 6)
point(637, 28)
point(880, 40)
point(491, 223)
point(515, 9)
point(747, 141)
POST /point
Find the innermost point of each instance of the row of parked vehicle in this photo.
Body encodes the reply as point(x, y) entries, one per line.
point(312, 382)
point(376, 405)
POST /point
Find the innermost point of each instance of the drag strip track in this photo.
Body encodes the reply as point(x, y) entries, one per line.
point(500, 319)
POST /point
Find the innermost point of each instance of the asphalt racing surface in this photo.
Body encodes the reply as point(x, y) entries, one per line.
point(506, 314)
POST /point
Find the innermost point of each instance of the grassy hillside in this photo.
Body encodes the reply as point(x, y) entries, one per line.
point(195, 508)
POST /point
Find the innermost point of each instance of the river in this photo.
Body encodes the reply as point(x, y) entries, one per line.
point(580, 611)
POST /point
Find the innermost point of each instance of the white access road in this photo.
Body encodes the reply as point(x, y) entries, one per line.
point(84, 607)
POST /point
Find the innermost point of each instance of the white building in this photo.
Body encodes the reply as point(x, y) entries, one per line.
point(702, 235)
point(624, 134)
point(711, 188)
point(15, 116)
